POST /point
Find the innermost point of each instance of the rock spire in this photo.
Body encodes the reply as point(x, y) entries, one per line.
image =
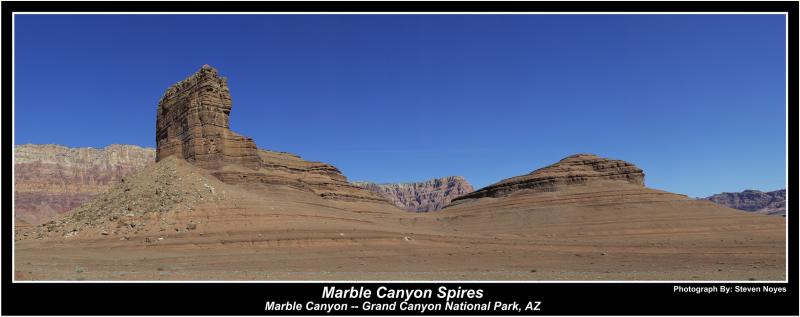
point(193, 123)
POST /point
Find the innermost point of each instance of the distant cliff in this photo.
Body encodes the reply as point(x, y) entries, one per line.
point(770, 203)
point(51, 179)
point(424, 196)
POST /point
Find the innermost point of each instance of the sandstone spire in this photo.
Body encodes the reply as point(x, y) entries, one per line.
point(193, 123)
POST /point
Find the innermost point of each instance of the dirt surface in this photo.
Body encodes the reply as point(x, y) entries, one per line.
point(606, 231)
point(383, 256)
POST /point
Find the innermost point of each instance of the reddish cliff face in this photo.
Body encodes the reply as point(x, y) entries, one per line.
point(193, 123)
point(573, 170)
point(424, 196)
point(53, 179)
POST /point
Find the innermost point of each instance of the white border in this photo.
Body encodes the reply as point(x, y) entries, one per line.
point(786, 72)
point(405, 13)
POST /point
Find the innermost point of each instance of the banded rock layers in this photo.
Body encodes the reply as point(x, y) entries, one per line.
point(604, 204)
point(770, 203)
point(572, 170)
point(52, 179)
point(290, 170)
point(193, 123)
point(205, 174)
point(430, 195)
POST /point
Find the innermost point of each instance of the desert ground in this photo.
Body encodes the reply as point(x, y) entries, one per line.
point(604, 231)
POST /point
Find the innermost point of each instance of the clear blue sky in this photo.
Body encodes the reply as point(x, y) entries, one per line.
point(697, 101)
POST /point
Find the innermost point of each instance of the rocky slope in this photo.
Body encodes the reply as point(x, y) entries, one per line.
point(192, 124)
point(573, 170)
point(139, 203)
point(425, 196)
point(176, 221)
point(52, 179)
point(770, 203)
point(198, 153)
point(290, 170)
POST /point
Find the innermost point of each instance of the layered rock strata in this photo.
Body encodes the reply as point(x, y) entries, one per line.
point(52, 179)
point(143, 202)
point(430, 195)
point(286, 169)
point(193, 123)
point(770, 203)
point(572, 170)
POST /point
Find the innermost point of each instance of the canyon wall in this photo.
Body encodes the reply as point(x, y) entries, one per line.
point(51, 179)
point(430, 195)
point(770, 203)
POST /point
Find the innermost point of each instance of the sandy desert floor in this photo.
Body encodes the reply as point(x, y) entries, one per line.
point(384, 256)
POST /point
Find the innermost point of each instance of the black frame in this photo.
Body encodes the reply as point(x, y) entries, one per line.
point(601, 298)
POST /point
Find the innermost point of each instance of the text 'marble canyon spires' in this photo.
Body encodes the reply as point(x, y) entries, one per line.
point(193, 123)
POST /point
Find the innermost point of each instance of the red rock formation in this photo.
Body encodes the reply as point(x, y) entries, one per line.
point(52, 179)
point(430, 195)
point(286, 169)
point(193, 123)
point(572, 170)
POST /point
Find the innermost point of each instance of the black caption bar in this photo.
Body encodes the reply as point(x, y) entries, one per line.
point(402, 298)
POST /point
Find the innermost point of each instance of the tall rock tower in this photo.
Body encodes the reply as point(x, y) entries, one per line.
point(193, 123)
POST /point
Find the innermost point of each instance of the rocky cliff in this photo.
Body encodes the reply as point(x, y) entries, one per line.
point(424, 196)
point(203, 170)
point(770, 203)
point(290, 170)
point(572, 170)
point(193, 123)
point(52, 179)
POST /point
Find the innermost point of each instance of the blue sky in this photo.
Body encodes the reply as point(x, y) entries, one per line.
point(697, 101)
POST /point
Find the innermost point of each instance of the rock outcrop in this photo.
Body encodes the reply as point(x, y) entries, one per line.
point(52, 179)
point(290, 170)
point(138, 203)
point(770, 203)
point(430, 195)
point(193, 123)
point(572, 170)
